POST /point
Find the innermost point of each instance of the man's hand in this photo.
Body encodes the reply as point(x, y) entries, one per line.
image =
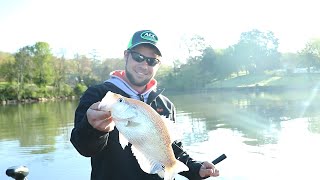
point(207, 169)
point(100, 120)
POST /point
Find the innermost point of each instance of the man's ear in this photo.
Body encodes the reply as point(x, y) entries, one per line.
point(126, 54)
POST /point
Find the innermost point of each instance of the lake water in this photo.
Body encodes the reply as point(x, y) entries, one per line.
point(264, 135)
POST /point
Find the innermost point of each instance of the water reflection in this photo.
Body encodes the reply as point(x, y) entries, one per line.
point(256, 131)
point(265, 135)
point(35, 126)
point(257, 116)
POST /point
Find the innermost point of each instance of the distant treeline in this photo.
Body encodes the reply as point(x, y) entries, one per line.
point(34, 72)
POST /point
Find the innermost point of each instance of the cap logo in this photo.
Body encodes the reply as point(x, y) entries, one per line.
point(149, 36)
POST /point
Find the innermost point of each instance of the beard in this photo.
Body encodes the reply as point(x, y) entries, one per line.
point(133, 81)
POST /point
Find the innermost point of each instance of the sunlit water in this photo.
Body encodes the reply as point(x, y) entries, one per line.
point(264, 135)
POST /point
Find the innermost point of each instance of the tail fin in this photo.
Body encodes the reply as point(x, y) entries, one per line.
point(171, 172)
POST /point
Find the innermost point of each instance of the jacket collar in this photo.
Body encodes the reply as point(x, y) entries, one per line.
point(117, 78)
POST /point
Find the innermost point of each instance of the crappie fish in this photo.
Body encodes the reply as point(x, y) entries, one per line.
point(147, 131)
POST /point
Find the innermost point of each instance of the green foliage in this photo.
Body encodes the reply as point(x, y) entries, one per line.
point(79, 89)
point(67, 90)
point(42, 59)
point(271, 79)
point(22, 66)
point(9, 92)
point(101, 70)
point(30, 92)
point(208, 61)
point(6, 67)
point(257, 51)
point(45, 92)
point(290, 60)
point(227, 64)
point(311, 54)
point(185, 77)
point(162, 74)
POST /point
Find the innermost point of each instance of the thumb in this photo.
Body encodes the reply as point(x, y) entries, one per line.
point(95, 106)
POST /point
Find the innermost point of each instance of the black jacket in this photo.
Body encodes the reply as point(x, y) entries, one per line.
point(108, 160)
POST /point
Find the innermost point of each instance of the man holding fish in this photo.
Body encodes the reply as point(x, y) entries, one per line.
point(126, 126)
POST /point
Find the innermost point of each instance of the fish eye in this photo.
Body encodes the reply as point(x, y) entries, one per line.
point(120, 100)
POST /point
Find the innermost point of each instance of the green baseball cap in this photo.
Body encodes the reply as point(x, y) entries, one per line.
point(144, 37)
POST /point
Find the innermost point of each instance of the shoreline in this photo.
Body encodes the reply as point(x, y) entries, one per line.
point(244, 89)
point(254, 89)
point(35, 100)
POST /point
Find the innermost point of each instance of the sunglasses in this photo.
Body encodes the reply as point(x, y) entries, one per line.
point(140, 58)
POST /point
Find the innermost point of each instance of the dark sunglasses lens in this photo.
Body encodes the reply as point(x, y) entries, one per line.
point(152, 62)
point(137, 57)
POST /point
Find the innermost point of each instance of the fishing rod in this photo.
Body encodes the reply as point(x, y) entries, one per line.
point(215, 161)
point(219, 159)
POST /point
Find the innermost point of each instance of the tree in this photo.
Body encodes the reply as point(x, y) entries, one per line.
point(43, 65)
point(208, 65)
point(59, 73)
point(311, 54)
point(23, 65)
point(257, 51)
point(102, 71)
point(17, 69)
point(84, 69)
point(227, 63)
point(163, 73)
point(290, 60)
point(6, 60)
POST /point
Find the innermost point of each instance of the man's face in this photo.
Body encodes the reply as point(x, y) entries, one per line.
point(140, 73)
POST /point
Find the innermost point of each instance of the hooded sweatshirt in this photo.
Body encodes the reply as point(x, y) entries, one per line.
point(117, 78)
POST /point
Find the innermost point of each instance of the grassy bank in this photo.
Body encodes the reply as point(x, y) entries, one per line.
point(270, 80)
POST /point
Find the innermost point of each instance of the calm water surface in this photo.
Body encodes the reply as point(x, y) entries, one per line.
point(264, 135)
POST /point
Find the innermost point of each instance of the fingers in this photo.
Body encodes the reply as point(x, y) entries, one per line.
point(97, 114)
point(110, 126)
point(100, 120)
point(208, 169)
point(105, 125)
point(209, 172)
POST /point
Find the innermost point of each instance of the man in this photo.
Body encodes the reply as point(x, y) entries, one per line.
point(94, 134)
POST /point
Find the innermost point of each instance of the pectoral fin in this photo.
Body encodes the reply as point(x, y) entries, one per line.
point(123, 141)
point(132, 124)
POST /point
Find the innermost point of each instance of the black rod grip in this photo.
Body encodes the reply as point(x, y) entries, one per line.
point(219, 159)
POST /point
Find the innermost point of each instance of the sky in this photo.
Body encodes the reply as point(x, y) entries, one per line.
point(104, 27)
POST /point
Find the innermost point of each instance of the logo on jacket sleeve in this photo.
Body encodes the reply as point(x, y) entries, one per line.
point(159, 110)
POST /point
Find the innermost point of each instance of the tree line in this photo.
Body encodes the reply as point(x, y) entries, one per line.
point(33, 71)
point(255, 53)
